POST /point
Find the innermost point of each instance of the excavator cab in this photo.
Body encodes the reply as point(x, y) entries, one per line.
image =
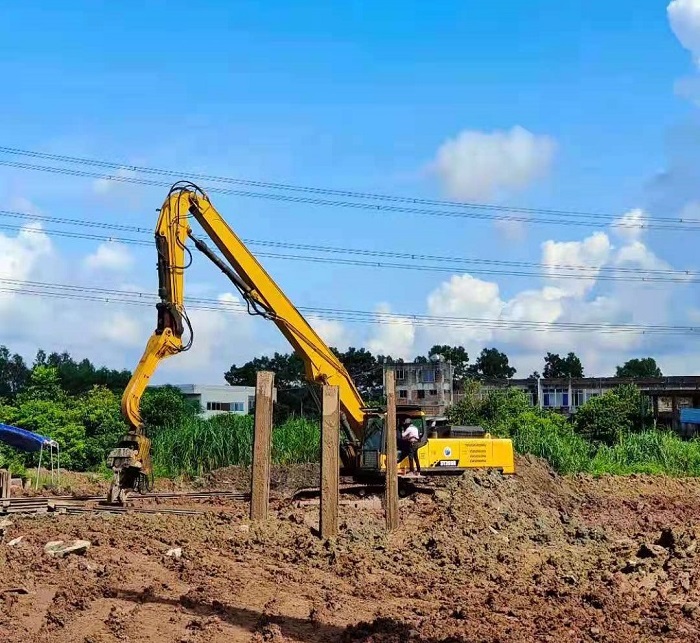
point(373, 450)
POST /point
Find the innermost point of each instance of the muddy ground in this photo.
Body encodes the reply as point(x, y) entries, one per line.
point(534, 557)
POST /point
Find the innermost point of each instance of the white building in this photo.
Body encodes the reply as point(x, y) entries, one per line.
point(214, 399)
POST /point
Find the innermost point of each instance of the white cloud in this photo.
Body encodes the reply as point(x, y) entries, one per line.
point(22, 204)
point(221, 337)
point(482, 165)
point(20, 254)
point(110, 333)
point(576, 257)
point(24, 258)
point(593, 301)
point(638, 255)
point(123, 329)
point(632, 225)
point(333, 333)
point(684, 18)
point(467, 297)
point(394, 336)
point(110, 255)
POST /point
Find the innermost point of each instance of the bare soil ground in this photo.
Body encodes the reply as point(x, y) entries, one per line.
point(534, 557)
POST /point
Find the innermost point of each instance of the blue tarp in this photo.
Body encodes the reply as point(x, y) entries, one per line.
point(23, 439)
point(690, 416)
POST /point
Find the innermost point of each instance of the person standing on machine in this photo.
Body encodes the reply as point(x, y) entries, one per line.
point(411, 436)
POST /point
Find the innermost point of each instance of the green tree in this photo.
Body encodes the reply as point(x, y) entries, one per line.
point(166, 406)
point(365, 369)
point(79, 377)
point(492, 364)
point(501, 407)
point(14, 373)
point(556, 366)
point(288, 369)
point(639, 368)
point(468, 411)
point(54, 418)
point(99, 413)
point(608, 417)
point(43, 384)
point(495, 411)
point(294, 393)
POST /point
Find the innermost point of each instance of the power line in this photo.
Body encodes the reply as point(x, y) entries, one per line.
point(482, 212)
point(288, 187)
point(517, 268)
point(109, 295)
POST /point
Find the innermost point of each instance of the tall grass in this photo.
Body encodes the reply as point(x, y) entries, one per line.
point(654, 452)
point(297, 440)
point(551, 438)
point(200, 445)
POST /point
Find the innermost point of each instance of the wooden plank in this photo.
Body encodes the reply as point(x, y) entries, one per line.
point(5, 478)
point(330, 467)
point(392, 480)
point(262, 443)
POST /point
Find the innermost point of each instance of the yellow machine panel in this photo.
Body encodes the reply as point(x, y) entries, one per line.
point(463, 453)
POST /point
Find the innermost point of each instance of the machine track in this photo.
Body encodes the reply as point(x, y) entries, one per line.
point(408, 485)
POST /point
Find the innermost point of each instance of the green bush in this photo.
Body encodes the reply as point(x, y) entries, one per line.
point(493, 411)
point(12, 460)
point(607, 418)
point(163, 405)
point(552, 437)
point(297, 440)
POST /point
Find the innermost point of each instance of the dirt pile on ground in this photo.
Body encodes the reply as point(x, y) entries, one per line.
point(533, 557)
point(68, 482)
point(284, 480)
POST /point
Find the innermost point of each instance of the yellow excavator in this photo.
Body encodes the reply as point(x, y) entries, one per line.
point(362, 450)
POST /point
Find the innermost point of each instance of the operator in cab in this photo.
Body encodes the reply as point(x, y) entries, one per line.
point(411, 437)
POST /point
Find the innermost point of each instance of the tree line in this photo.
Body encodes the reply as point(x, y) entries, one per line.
point(77, 404)
point(78, 377)
point(295, 396)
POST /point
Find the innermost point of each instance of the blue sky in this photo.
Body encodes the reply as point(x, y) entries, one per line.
point(354, 96)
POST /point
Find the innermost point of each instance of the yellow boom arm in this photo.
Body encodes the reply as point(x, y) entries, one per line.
point(263, 296)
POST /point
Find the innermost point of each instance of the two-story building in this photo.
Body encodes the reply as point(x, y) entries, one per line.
point(428, 384)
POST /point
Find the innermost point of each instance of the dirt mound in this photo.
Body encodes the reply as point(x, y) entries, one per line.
point(283, 479)
point(531, 557)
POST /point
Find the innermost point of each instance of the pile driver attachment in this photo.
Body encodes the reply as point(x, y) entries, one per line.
point(131, 464)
